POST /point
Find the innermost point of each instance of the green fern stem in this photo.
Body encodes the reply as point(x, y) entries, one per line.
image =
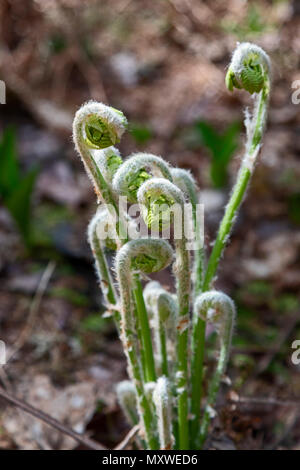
point(255, 128)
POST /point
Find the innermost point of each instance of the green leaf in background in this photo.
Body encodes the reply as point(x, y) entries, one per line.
point(95, 322)
point(221, 147)
point(76, 298)
point(16, 190)
point(57, 44)
point(253, 24)
point(9, 166)
point(18, 203)
point(140, 133)
point(293, 208)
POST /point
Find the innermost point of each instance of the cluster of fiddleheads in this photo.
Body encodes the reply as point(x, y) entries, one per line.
point(163, 333)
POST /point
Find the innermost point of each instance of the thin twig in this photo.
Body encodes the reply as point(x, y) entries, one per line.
point(33, 310)
point(264, 401)
point(86, 441)
point(128, 438)
point(4, 379)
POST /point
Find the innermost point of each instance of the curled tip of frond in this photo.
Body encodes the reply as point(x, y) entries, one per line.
point(161, 398)
point(99, 125)
point(186, 182)
point(125, 390)
point(145, 255)
point(151, 290)
point(95, 220)
point(157, 297)
point(250, 69)
point(102, 227)
point(157, 187)
point(161, 390)
point(149, 389)
point(108, 161)
point(126, 394)
point(215, 305)
point(158, 198)
point(136, 170)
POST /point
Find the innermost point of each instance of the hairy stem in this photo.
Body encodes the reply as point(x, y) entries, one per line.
point(146, 343)
point(149, 195)
point(255, 128)
point(223, 314)
point(199, 324)
point(105, 277)
point(182, 273)
point(184, 180)
point(164, 309)
point(132, 353)
point(163, 351)
point(149, 256)
point(162, 401)
point(113, 123)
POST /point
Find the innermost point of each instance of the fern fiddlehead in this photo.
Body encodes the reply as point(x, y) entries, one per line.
point(108, 161)
point(163, 405)
point(165, 311)
point(127, 399)
point(150, 195)
point(97, 126)
point(248, 65)
point(148, 180)
point(97, 243)
point(218, 309)
point(136, 170)
point(148, 256)
point(250, 70)
point(185, 181)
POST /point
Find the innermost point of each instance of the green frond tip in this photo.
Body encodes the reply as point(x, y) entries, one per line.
point(158, 214)
point(113, 162)
point(121, 115)
point(135, 182)
point(230, 80)
point(252, 76)
point(249, 69)
point(110, 243)
point(146, 255)
point(101, 134)
point(144, 263)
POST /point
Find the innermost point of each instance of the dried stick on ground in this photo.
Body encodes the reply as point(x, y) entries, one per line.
point(87, 442)
point(128, 438)
point(34, 308)
point(265, 401)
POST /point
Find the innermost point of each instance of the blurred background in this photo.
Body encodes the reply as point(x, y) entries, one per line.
point(163, 64)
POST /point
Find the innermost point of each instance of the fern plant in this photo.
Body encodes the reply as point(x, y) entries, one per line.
point(163, 333)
